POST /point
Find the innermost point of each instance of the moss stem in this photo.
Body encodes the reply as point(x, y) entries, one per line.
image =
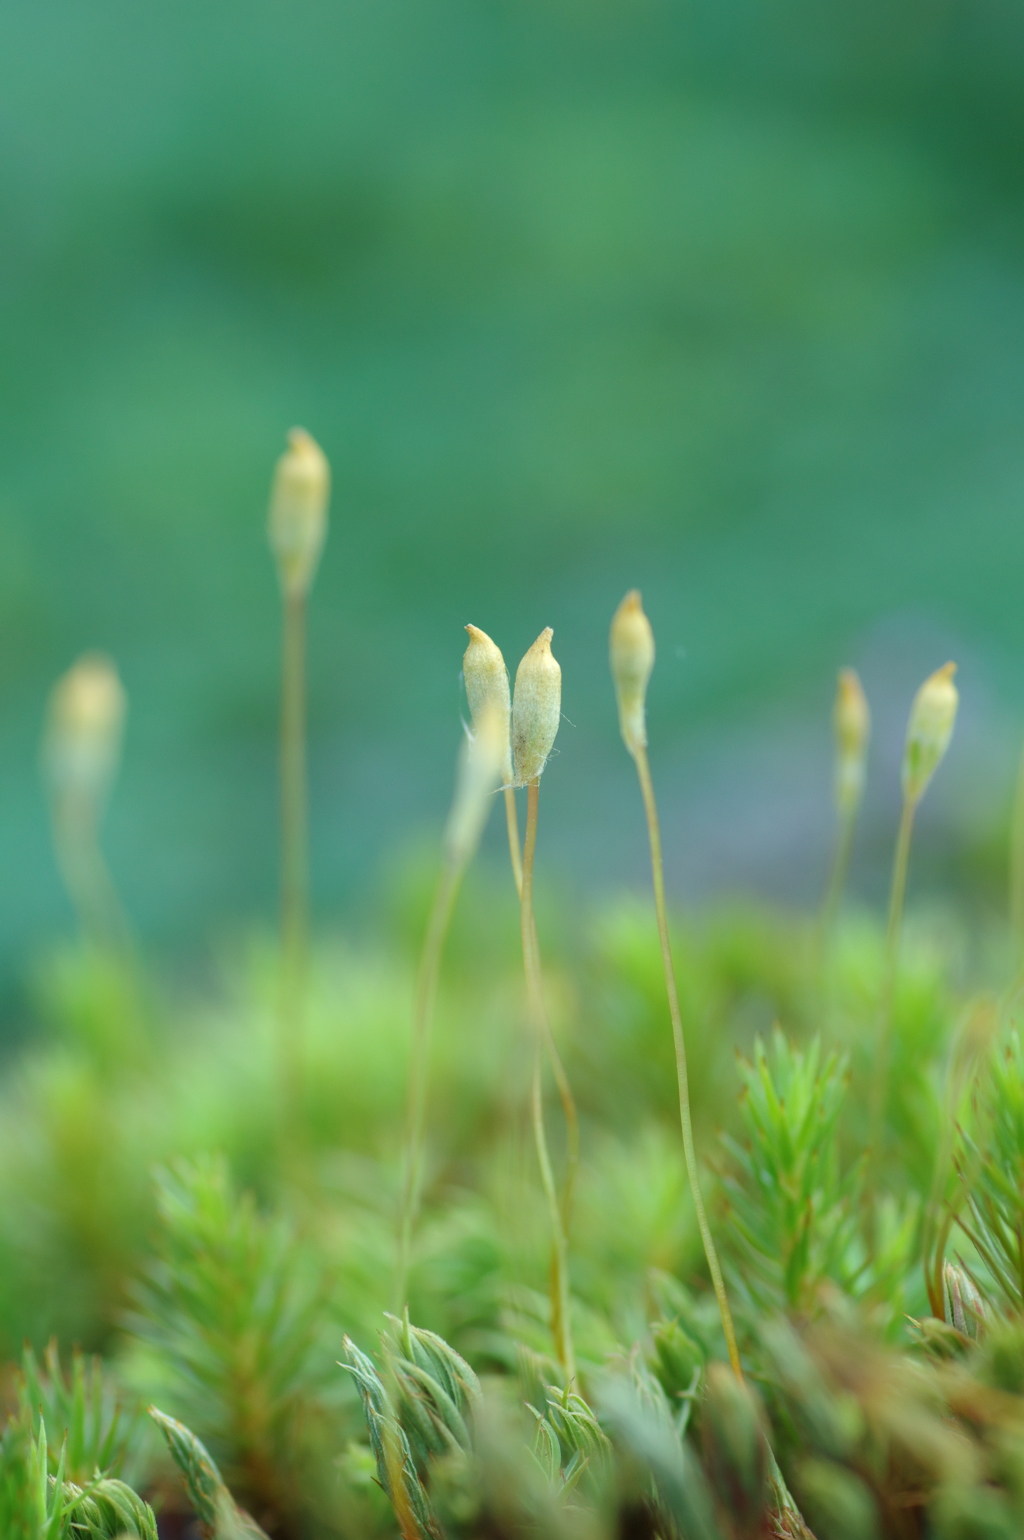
point(88, 880)
point(294, 858)
point(561, 1325)
point(572, 1122)
point(515, 854)
point(838, 873)
point(568, 1101)
point(658, 875)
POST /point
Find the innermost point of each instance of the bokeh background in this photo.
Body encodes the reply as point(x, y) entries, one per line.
point(721, 298)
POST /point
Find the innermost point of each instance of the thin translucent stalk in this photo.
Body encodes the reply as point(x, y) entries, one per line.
point(828, 920)
point(658, 875)
point(419, 1066)
point(294, 857)
point(838, 873)
point(561, 1326)
point(94, 895)
point(87, 878)
point(515, 854)
point(890, 967)
point(572, 1122)
point(565, 1096)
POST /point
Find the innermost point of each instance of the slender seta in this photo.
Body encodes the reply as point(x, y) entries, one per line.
point(486, 679)
point(536, 712)
point(929, 730)
point(631, 650)
point(296, 528)
point(81, 753)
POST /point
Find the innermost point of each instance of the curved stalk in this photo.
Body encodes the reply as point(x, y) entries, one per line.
point(561, 1326)
point(658, 876)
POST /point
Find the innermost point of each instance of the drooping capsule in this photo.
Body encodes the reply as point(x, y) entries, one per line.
point(297, 522)
point(631, 652)
point(536, 709)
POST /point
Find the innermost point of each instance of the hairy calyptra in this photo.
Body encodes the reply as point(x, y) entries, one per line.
point(487, 688)
point(536, 709)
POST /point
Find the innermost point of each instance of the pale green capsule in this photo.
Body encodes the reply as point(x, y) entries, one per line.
point(85, 725)
point(297, 523)
point(932, 718)
point(631, 652)
point(536, 709)
point(483, 669)
point(852, 721)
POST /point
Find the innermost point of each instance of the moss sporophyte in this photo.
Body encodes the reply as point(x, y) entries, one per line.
point(631, 652)
point(297, 529)
point(877, 1299)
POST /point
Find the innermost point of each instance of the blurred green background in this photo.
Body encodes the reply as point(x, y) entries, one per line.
point(720, 298)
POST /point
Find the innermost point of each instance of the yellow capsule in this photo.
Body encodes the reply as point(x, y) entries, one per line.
point(481, 764)
point(84, 729)
point(631, 650)
point(932, 718)
point(297, 523)
point(852, 721)
point(536, 709)
point(486, 676)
